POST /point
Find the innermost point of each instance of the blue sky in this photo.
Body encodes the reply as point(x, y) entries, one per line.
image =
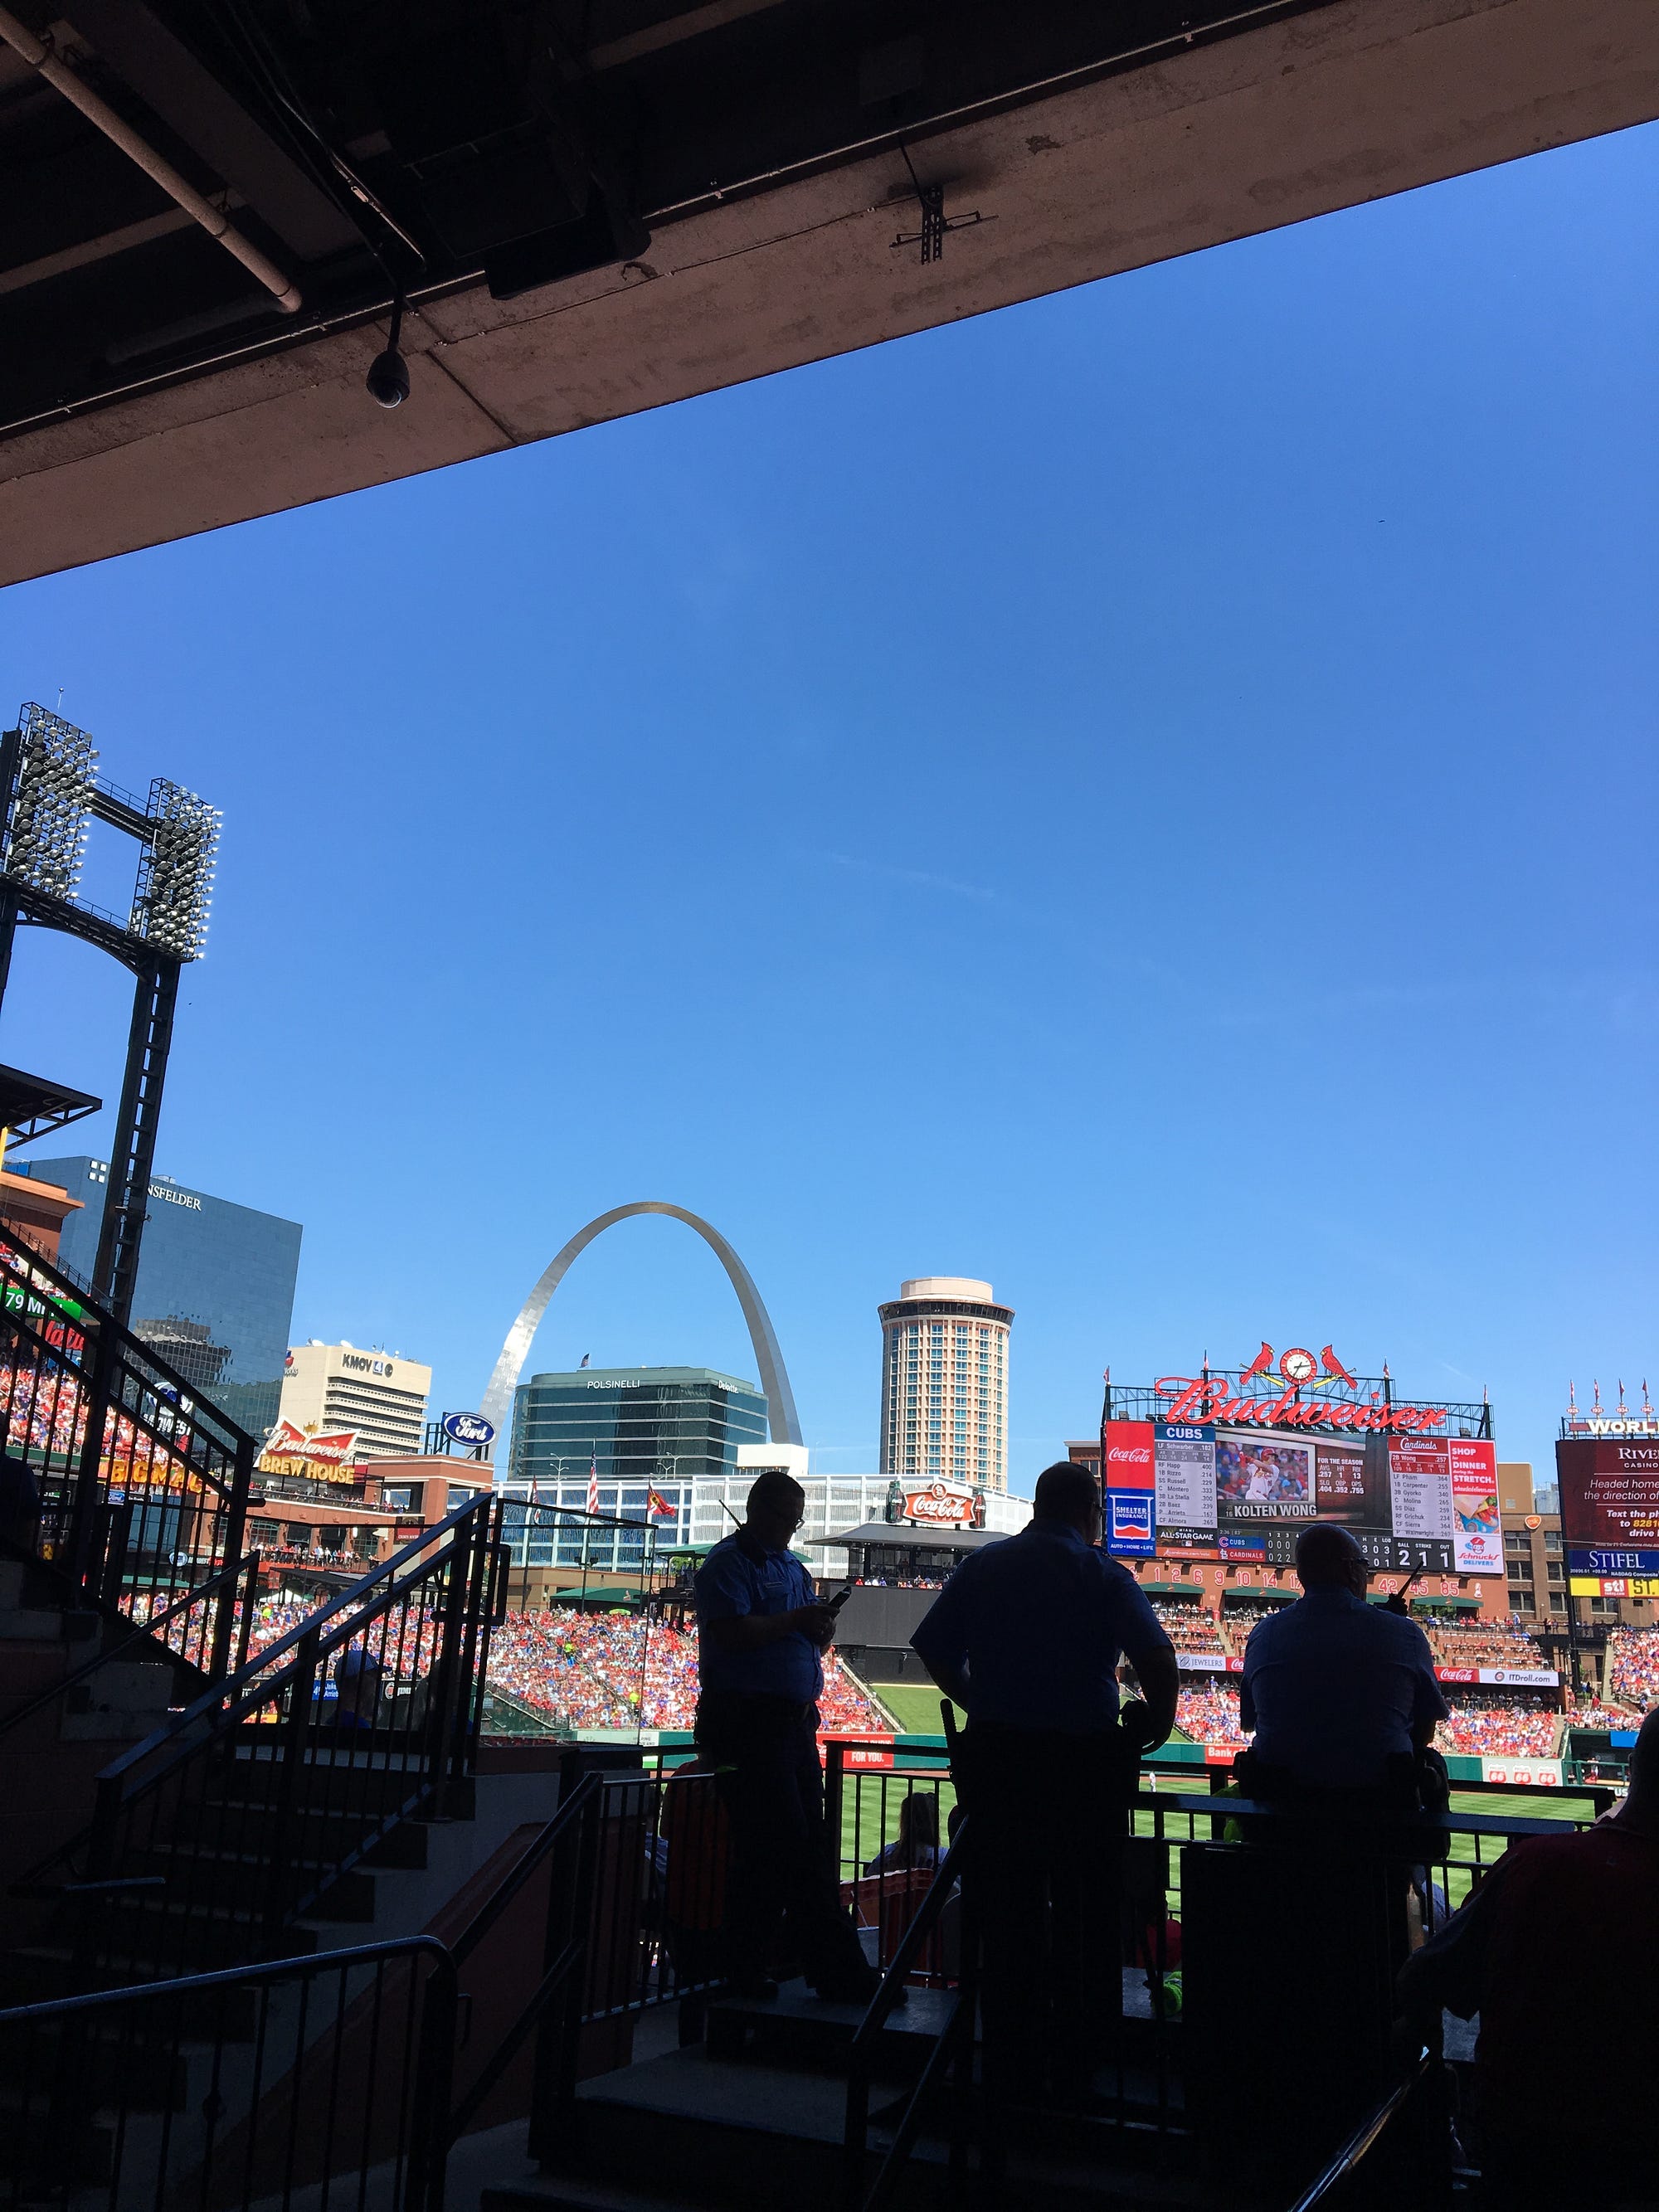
point(1147, 797)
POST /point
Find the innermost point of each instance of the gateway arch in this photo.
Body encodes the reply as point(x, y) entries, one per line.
point(780, 1414)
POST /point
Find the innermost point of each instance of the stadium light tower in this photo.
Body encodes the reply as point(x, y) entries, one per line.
point(50, 790)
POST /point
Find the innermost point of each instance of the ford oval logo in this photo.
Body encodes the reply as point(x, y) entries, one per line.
point(469, 1428)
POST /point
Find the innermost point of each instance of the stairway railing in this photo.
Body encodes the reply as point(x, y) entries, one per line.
point(253, 2085)
point(228, 1823)
point(140, 1486)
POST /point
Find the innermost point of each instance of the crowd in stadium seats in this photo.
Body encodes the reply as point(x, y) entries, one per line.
point(1483, 1643)
point(1189, 1627)
point(1591, 1713)
point(616, 1670)
point(1506, 1727)
point(1210, 1715)
point(1635, 1667)
point(588, 1669)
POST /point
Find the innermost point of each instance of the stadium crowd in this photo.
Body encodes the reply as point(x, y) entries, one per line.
point(1515, 1727)
point(616, 1670)
point(1591, 1713)
point(1189, 1627)
point(1210, 1715)
point(1483, 1643)
point(1635, 1672)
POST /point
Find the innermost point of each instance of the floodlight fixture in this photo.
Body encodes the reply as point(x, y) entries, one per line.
point(171, 904)
point(48, 803)
point(49, 788)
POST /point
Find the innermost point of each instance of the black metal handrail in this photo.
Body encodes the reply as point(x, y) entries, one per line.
point(959, 2019)
point(252, 1687)
point(82, 2070)
point(568, 1940)
point(1363, 2140)
point(253, 1799)
point(145, 1632)
point(141, 1484)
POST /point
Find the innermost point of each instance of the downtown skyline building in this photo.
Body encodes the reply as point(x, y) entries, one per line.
point(215, 1292)
point(945, 1383)
point(379, 1394)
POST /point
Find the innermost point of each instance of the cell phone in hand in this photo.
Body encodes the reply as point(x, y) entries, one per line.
point(840, 1598)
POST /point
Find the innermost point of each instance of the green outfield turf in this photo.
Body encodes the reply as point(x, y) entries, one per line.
point(915, 1709)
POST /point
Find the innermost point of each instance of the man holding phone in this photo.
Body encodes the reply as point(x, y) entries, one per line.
point(761, 1629)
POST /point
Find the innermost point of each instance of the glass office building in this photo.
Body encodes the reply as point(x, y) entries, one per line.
point(639, 1428)
point(215, 1293)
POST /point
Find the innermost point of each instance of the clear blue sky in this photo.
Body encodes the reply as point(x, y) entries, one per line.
point(1148, 797)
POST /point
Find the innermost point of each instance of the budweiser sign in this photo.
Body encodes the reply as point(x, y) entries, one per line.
point(1206, 1398)
point(289, 1451)
point(955, 1509)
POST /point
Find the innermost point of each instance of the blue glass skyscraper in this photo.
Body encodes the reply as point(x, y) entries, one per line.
point(215, 1293)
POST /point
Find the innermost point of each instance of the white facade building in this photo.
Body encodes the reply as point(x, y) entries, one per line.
point(328, 1386)
point(945, 1383)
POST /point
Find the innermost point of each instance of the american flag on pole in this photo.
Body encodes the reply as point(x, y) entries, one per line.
point(593, 1483)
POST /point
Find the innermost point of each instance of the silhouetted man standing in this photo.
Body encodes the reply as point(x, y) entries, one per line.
point(760, 1631)
point(1027, 1636)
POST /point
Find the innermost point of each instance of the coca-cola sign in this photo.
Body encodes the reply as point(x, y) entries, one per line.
point(953, 1509)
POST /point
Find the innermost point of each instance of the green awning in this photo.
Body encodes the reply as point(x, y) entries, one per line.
point(1172, 1589)
point(1449, 1604)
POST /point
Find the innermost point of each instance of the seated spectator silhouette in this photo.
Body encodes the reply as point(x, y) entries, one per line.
point(1558, 1951)
point(917, 1842)
point(357, 1703)
point(1341, 1694)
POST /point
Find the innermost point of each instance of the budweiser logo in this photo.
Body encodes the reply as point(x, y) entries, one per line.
point(1199, 1398)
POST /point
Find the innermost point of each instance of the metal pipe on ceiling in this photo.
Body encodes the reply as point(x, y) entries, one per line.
point(57, 72)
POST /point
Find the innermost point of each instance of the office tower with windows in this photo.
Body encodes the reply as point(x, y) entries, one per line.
point(380, 1395)
point(945, 1383)
point(639, 1428)
point(215, 1293)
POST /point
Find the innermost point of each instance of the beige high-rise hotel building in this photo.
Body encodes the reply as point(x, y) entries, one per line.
point(945, 1383)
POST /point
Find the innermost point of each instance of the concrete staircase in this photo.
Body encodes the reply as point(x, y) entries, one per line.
point(754, 2116)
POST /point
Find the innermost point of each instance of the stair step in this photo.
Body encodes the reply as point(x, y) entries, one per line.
point(797, 2027)
point(551, 2192)
point(30, 1623)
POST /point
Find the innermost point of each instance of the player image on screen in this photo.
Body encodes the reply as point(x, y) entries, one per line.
point(1263, 1477)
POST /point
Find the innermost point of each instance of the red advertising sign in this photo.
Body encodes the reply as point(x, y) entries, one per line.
point(877, 1753)
point(324, 1459)
point(1128, 1456)
point(956, 1508)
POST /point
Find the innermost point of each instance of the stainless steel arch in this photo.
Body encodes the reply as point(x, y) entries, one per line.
point(780, 1414)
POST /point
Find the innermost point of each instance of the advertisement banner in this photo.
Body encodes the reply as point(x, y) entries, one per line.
point(1199, 1663)
point(1184, 1466)
point(1478, 1534)
point(1609, 1491)
point(1129, 1531)
point(1521, 1772)
point(1611, 1561)
point(1514, 1678)
point(1128, 1463)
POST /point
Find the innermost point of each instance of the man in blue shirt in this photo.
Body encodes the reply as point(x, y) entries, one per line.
point(1341, 1694)
point(760, 1631)
point(1027, 1635)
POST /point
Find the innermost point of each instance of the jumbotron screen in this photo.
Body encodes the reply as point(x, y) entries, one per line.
point(1207, 1490)
point(1610, 1514)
